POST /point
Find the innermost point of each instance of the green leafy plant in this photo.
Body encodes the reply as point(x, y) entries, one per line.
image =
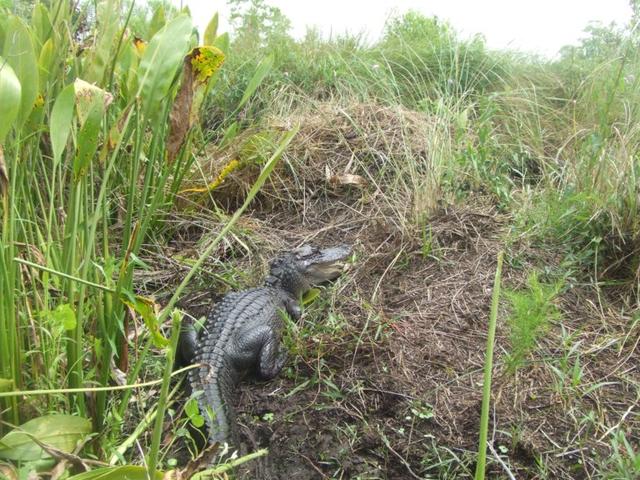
point(531, 312)
point(95, 141)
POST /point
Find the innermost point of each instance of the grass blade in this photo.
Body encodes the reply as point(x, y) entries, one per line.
point(160, 62)
point(488, 366)
point(264, 67)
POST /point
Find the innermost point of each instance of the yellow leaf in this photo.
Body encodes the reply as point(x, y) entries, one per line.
point(205, 62)
point(146, 308)
point(140, 45)
point(198, 67)
point(86, 93)
point(226, 171)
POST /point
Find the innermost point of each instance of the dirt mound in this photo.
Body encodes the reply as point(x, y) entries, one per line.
point(339, 150)
point(385, 374)
point(396, 371)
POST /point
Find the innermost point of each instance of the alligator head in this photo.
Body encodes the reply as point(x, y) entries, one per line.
point(299, 270)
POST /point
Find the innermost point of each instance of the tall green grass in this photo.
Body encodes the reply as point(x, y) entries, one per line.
point(96, 131)
point(66, 152)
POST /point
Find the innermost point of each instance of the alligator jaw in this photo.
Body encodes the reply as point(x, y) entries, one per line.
point(322, 265)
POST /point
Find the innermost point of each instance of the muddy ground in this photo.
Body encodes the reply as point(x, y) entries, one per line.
point(385, 372)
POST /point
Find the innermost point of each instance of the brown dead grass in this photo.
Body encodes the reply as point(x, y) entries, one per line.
point(414, 337)
point(370, 152)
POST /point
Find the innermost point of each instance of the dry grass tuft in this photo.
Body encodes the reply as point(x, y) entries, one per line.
point(361, 153)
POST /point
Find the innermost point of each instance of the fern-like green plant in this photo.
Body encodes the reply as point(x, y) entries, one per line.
point(531, 311)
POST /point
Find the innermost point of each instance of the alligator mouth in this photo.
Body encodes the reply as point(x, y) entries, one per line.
point(326, 264)
point(326, 272)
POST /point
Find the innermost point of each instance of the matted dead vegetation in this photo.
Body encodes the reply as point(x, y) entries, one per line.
point(390, 156)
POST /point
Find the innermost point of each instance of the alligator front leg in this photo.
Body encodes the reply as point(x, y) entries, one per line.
point(187, 345)
point(272, 359)
point(262, 344)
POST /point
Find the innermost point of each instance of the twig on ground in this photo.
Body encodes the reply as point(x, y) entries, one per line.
point(504, 466)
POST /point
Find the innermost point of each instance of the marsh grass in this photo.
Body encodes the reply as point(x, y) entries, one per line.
point(86, 182)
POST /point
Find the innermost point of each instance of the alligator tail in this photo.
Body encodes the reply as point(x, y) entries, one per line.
point(216, 402)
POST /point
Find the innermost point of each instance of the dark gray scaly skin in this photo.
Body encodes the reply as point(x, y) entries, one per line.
point(243, 332)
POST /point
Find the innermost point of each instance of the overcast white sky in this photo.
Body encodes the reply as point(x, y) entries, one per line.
point(539, 26)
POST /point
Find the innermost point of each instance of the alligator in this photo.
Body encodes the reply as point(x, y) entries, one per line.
point(242, 333)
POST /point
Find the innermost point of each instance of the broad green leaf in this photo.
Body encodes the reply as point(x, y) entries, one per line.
point(41, 23)
point(211, 31)
point(160, 63)
point(86, 95)
point(197, 420)
point(61, 121)
point(126, 69)
point(88, 138)
point(6, 385)
point(191, 407)
point(91, 103)
point(126, 472)
point(108, 19)
point(45, 61)
point(20, 54)
point(158, 21)
point(36, 117)
point(65, 316)
point(193, 412)
point(145, 307)
point(2, 34)
point(10, 94)
point(62, 432)
point(222, 42)
point(264, 67)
